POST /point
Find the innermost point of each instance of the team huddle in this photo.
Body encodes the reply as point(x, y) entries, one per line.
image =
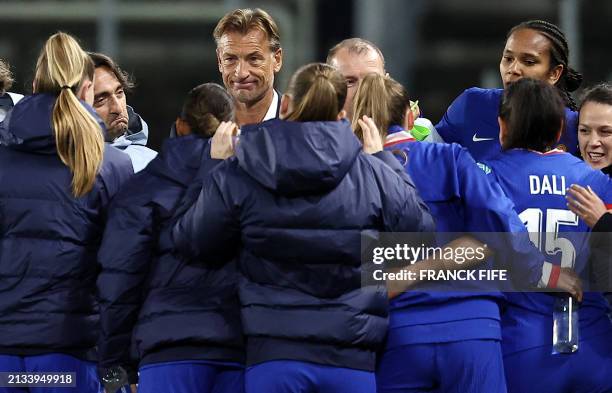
point(230, 260)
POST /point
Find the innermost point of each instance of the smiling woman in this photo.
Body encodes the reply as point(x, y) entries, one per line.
point(595, 127)
point(595, 137)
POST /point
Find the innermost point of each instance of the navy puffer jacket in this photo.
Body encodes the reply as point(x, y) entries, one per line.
point(49, 239)
point(293, 204)
point(168, 309)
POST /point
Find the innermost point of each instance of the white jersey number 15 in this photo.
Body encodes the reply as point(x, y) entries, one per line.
point(534, 220)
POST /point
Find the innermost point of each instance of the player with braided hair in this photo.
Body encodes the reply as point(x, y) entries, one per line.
point(534, 49)
point(569, 79)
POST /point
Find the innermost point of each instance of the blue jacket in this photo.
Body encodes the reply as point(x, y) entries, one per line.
point(170, 310)
point(49, 238)
point(293, 204)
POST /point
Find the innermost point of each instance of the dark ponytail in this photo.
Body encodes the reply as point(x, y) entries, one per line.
point(205, 107)
point(534, 113)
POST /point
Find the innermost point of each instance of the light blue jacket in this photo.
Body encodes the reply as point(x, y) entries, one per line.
point(134, 141)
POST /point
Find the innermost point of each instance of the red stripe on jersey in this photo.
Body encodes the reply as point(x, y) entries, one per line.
point(393, 143)
point(608, 206)
point(397, 138)
point(554, 276)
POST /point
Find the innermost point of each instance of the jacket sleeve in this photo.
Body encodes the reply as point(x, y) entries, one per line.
point(600, 260)
point(194, 189)
point(389, 159)
point(451, 126)
point(125, 256)
point(210, 228)
point(117, 170)
point(403, 208)
point(604, 224)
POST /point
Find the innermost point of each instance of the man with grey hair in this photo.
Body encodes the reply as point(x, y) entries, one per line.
point(7, 100)
point(357, 57)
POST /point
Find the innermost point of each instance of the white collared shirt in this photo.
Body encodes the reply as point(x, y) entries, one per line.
point(272, 110)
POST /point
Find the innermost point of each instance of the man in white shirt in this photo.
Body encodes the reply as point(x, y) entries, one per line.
point(249, 54)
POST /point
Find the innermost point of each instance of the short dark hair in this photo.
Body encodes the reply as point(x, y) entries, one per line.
point(205, 107)
point(355, 45)
point(534, 112)
point(6, 77)
point(101, 60)
point(243, 20)
point(601, 94)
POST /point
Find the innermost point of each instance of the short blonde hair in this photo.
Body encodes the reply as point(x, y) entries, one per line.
point(243, 20)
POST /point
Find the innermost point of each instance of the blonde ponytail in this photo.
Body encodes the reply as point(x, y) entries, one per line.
point(371, 99)
point(61, 68)
point(318, 91)
point(383, 99)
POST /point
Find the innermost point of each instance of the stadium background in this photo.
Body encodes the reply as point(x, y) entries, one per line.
point(436, 48)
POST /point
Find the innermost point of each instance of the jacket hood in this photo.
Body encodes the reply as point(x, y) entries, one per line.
point(137, 133)
point(180, 158)
point(294, 157)
point(27, 126)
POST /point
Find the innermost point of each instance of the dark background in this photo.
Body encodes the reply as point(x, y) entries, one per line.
point(437, 48)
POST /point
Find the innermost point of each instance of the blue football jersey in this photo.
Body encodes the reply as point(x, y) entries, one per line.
point(461, 199)
point(536, 183)
point(471, 121)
